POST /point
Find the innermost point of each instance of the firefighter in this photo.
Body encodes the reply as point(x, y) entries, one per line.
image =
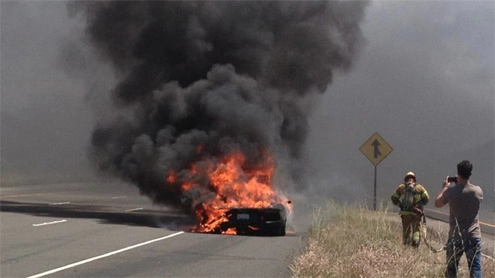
point(410, 197)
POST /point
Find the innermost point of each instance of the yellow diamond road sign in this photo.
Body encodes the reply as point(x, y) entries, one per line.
point(376, 149)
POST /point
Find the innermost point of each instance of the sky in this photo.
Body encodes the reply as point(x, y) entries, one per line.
point(425, 83)
point(424, 80)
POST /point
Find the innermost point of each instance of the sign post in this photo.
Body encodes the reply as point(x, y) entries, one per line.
point(375, 149)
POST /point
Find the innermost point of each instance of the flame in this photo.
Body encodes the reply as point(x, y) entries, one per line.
point(172, 177)
point(232, 183)
point(230, 231)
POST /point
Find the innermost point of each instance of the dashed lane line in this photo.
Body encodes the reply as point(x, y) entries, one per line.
point(134, 209)
point(49, 223)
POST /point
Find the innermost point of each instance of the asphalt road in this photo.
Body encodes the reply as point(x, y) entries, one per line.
point(486, 219)
point(109, 230)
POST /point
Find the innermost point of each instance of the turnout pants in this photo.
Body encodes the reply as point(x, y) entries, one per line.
point(411, 229)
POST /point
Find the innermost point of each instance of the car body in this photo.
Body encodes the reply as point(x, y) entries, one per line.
point(259, 221)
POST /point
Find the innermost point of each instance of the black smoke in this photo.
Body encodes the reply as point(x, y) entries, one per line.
point(226, 75)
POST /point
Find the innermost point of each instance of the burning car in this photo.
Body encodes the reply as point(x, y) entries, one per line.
point(231, 196)
point(243, 221)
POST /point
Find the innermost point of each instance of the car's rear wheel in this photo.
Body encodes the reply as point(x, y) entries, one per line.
point(280, 231)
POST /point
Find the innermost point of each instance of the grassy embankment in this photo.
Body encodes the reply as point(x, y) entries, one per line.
point(347, 241)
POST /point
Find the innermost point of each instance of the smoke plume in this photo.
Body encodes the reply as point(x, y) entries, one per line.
point(197, 80)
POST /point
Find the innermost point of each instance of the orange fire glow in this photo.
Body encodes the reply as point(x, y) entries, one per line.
point(232, 183)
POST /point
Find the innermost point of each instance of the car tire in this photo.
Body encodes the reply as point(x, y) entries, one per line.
point(281, 231)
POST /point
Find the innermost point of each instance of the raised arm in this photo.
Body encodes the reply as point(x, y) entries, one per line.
point(438, 200)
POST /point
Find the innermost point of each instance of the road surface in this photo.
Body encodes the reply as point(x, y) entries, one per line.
point(109, 230)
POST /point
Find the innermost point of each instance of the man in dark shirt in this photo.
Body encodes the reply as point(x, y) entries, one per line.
point(464, 199)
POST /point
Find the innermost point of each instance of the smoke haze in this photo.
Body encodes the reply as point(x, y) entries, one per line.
point(223, 76)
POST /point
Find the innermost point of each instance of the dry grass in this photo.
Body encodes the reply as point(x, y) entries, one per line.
point(347, 241)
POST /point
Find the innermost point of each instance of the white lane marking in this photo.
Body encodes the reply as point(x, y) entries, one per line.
point(135, 209)
point(102, 256)
point(60, 203)
point(24, 195)
point(119, 197)
point(49, 223)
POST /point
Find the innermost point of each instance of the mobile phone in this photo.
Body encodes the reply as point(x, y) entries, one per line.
point(452, 179)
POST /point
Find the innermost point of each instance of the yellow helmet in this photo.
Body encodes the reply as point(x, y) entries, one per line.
point(410, 175)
